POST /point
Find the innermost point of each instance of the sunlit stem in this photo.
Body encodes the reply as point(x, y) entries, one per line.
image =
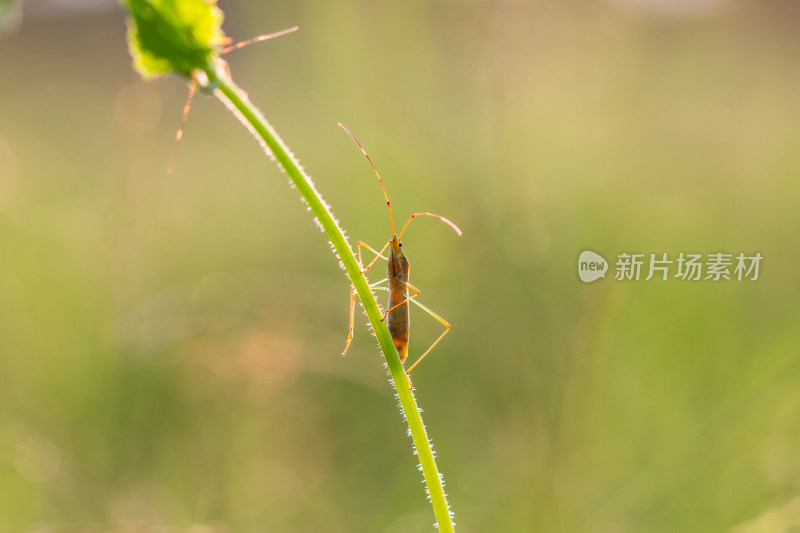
point(236, 98)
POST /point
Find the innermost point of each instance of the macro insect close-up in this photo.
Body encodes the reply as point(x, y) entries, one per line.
point(401, 291)
point(610, 344)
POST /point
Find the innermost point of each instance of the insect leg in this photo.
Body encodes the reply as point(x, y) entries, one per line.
point(179, 135)
point(353, 290)
point(193, 87)
point(434, 315)
point(445, 332)
point(371, 249)
point(352, 320)
point(258, 39)
point(406, 298)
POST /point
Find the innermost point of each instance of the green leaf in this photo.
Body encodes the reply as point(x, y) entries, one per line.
point(173, 35)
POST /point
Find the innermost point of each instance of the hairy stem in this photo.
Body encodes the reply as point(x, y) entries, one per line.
point(234, 98)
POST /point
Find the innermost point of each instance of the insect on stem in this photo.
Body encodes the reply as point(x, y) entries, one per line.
point(193, 87)
point(397, 312)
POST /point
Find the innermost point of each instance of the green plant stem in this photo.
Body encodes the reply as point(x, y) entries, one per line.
point(233, 97)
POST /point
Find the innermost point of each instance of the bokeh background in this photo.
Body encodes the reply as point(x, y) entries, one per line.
point(170, 344)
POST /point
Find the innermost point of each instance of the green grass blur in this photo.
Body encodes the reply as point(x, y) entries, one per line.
point(169, 344)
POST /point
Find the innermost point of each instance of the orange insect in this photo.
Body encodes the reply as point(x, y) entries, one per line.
point(396, 313)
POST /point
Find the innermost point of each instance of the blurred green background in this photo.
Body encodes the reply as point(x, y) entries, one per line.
point(170, 344)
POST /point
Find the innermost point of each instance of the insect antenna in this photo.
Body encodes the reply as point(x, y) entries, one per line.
point(434, 215)
point(386, 196)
